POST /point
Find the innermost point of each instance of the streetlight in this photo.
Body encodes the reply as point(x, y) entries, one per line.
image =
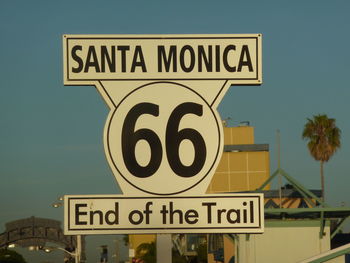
point(77, 253)
point(58, 203)
point(50, 249)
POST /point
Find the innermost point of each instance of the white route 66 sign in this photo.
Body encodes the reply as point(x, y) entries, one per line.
point(163, 135)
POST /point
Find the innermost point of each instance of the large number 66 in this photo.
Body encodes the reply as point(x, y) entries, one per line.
point(173, 139)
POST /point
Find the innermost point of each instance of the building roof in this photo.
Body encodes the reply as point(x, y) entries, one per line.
point(288, 192)
point(246, 148)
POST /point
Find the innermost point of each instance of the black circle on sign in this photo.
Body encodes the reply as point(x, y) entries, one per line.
point(109, 145)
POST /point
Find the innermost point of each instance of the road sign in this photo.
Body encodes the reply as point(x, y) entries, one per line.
point(162, 57)
point(163, 135)
point(112, 214)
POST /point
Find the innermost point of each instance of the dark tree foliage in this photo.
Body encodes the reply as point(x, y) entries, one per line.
point(10, 256)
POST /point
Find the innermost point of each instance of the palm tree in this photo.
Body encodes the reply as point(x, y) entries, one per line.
point(323, 138)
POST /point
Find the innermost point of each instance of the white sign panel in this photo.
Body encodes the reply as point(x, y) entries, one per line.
point(115, 214)
point(163, 135)
point(163, 57)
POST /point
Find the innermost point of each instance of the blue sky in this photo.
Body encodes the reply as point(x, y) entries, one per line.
point(51, 135)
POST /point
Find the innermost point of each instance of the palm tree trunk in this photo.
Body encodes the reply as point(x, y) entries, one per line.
point(322, 180)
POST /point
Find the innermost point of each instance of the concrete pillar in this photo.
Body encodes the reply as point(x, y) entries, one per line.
point(164, 248)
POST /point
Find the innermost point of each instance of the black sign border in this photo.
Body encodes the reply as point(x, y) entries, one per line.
point(160, 38)
point(162, 228)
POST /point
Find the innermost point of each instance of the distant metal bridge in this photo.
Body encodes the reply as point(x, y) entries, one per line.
point(36, 232)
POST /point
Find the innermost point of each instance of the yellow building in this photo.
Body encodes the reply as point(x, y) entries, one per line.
point(244, 165)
